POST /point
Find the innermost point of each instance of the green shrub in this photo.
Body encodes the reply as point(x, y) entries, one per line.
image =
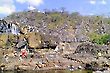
point(100, 39)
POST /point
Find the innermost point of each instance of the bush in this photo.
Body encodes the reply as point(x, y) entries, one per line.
point(100, 39)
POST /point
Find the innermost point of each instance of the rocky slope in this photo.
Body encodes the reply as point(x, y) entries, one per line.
point(55, 27)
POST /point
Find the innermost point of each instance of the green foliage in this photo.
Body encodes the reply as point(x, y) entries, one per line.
point(107, 20)
point(105, 38)
point(100, 39)
point(56, 17)
point(56, 20)
point(75, 14)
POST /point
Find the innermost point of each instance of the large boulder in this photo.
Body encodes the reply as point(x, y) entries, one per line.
point(34, 39)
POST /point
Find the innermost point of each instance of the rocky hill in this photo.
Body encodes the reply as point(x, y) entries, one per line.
point(57, 37)
point(55, 27)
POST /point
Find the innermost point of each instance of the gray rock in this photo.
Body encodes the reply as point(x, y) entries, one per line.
point(21, 44)
point(87, 48)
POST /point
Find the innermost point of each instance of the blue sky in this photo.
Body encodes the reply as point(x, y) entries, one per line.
point(84, 7)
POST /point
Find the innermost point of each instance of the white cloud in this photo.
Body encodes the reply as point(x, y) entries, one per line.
point(91, 14)
point(21, 1)
point(6, 10)
point(7, 7)
point(92, 1)
point(35, 2)
point(31, 8)
point(103, 2)
point(31, 2)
